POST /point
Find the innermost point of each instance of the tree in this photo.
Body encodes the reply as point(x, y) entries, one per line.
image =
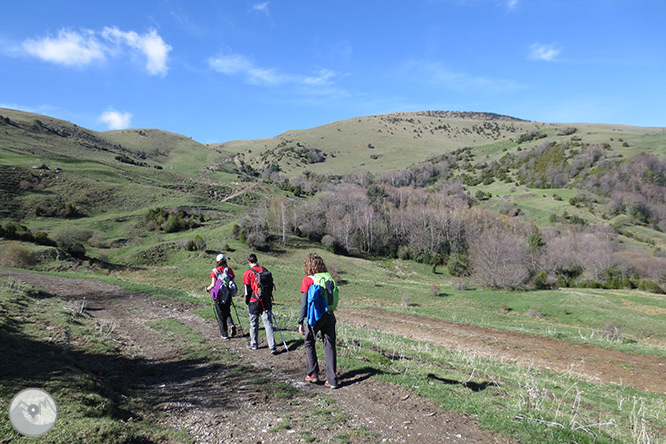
point(499, 258)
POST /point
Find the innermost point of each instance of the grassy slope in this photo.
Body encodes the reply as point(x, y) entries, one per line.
point(114, 196)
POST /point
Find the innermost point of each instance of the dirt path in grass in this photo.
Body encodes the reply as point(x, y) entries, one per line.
point(593, 363)
point(224, 405)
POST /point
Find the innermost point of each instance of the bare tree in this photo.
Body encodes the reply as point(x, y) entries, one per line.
point(499, 258)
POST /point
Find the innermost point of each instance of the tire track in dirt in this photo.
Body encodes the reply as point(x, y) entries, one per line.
point(595, 364)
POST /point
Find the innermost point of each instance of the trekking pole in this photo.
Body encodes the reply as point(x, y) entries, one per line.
point(270, 312)
point(240, 324)
point(212, 305)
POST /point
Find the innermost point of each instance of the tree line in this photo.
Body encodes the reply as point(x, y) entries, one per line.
point(424, 213)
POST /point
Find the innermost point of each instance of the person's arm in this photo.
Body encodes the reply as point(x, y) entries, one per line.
point(248, 293)
point(304, 309)
point(212, 284)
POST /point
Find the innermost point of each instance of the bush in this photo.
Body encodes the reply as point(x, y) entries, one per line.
point(258, 240)
point(541, 281)
point(74, 249)
point(651, 286)
point(198, 244)
point(535, 314)
point(18, 256)
point(458, 265)
point(42, 238)
point(333, 245)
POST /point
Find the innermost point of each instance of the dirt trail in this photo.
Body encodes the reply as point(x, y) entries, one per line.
point(215, 410)
point(195, 397)
point(593, 363)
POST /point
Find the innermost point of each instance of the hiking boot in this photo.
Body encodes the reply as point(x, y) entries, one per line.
point(273, 351)
point(312, 378)
point(225, 338)
point(251, 347)
point(333, 386)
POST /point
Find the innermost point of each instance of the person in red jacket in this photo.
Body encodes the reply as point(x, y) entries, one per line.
point(258, 307)
point(314, 264)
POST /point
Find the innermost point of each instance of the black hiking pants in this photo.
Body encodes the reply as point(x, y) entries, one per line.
point(224, 320)
point(327, 329)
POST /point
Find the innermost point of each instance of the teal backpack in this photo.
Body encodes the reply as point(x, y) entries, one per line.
point(323, 297)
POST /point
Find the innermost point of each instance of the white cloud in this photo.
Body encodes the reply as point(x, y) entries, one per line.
point(73, 48)
point(435, 73)
point(68, 48)
point(150, 44)
point(261, 7)
point(511, 4)
point(547, 53)
point(116, 120)
point(322, 78)
point(235, 64)
point(231, 64)
point(319, 83)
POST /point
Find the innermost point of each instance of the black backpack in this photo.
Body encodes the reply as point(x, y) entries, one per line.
point(262, 287)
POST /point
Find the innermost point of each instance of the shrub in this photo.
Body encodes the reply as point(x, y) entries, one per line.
point(541, 281)
point(566, 131)
point(458, 265)
point(258, 240)
point(75, 249)
point(198, 244)
point(459, 284)
point(18, 256)
point(332, 244)
point(650, 286)
point(534, 313)
point(42, 238)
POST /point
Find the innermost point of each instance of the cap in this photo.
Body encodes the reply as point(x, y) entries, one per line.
point(221, 257)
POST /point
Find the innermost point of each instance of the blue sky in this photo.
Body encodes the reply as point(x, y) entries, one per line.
point(224, 70)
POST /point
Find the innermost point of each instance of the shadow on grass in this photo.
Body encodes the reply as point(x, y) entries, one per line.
point(473, 386)
point(359, 375)
point(91, 385)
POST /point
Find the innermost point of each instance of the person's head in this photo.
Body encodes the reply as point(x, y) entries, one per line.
point(252, 258)
point(313, 264)
point(221, 260)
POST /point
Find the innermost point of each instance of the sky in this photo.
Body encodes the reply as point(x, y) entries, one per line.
point(225, 70)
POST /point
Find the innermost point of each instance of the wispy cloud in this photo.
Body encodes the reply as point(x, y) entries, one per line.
point(511, 4)
point(239, 65)
point(82, 48)
point(436, 73)
point(543, 52)
point(262, 7)
point(116, 120)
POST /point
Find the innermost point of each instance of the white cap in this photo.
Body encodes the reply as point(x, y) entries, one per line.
point(221, 257)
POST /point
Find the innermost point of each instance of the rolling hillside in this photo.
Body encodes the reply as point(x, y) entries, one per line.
point(404, 208)
point(507, 164)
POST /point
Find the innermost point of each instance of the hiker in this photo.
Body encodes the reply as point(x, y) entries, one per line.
point(316, 274)
point(221, 293)
point(259, 286)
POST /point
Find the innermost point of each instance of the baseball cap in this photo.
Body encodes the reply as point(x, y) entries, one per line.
point(221, 257)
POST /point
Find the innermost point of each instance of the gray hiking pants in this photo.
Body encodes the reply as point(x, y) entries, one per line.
point(330, 353)
point(254, 329)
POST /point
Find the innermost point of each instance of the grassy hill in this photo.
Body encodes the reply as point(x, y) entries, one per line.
point(117, 175)
point(151, 209)
point(394, 141)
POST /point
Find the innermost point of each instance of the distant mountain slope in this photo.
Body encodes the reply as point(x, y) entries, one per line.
point(45, 136)
point(393, 141)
